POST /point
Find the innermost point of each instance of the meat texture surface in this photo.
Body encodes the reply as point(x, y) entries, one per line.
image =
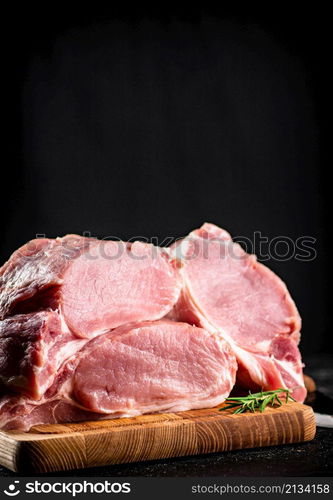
point(94, 284)
point(32, 349)
point(138, 368)
point(227, 290)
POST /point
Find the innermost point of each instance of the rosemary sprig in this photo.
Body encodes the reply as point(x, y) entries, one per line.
point(258, 400)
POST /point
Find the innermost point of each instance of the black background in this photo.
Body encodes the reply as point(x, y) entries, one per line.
point(148, 124)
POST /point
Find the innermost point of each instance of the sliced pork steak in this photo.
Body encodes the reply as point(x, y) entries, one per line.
point(32, 349)
point(135, 369)
point(226, 289)
point(96, 285)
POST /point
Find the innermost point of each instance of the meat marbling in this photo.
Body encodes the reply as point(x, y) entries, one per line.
point(138, 368)
point(227, 290)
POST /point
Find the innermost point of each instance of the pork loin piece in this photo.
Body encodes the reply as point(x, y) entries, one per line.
point(32, 348)
point(226, 289)
point(146, 367)
point(96, 285)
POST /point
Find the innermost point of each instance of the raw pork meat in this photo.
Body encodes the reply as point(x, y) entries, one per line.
point(227, 290)
point(135, 369)
point(32, 349)
point(96, 285)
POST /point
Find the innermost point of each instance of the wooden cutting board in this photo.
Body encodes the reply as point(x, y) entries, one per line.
point(48, 448)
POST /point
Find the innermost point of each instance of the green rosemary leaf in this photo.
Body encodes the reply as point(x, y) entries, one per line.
point(239, 410)
point(279, 400)
point(265, 402)
point(258, 400)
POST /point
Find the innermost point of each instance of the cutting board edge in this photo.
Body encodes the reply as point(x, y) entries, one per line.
point(179, 438)
point(10, 450)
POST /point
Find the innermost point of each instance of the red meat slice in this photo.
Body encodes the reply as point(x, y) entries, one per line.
point(226, 289)
point(146, 367)
point(96, 285)
point(32, 348)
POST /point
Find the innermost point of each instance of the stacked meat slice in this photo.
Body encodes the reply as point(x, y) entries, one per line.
point(95, 285)
point(84, 334)
point(62, 357)
point(137, 368)
point(227, 290)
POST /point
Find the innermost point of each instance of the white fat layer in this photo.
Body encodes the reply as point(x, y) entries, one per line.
point(289, 367)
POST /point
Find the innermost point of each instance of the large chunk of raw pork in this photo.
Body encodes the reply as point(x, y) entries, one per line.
point(227, 290)
point(135, 369)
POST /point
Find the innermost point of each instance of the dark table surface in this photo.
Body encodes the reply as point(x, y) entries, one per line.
point(314, 458)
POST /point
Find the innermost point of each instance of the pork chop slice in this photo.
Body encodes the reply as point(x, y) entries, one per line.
point(144, 367)
point(227, 290)
point(96, 285)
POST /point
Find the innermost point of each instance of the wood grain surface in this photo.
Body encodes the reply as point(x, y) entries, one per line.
point(48, 448)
